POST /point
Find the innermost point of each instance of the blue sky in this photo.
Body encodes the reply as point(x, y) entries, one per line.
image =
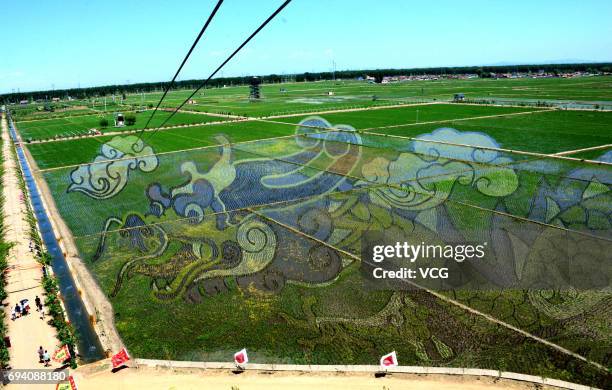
point(74, 42)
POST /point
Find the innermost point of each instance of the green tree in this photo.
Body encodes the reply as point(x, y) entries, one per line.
point(130, 120)
point(103, 122)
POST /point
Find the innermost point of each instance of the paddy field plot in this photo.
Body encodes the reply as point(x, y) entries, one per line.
point(211, 238)
point(36, 111)
point(527, 129)
point(521, 128)
point(59, 153)
point(80, 125)
point(286, 98)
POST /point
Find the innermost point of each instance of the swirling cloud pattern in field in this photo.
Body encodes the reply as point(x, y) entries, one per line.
point(414, 182)
point(496, 180)
point(108, 174)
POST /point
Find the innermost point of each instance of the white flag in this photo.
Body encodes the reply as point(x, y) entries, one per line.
point(241, 357)
point(389, 360)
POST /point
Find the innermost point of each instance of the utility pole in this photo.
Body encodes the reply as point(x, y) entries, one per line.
point(334, 70)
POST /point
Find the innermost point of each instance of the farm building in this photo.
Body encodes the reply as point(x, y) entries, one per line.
point(119, 120)
point(254, 88)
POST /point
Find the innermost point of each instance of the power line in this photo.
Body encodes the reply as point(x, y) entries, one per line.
point(210, 17)
point(203, 84)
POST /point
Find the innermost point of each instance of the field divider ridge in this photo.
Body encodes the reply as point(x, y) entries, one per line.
point(569, 152)
point(459, 119)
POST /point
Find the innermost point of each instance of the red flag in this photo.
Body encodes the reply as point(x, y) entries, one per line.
point(71, 385)
point(62, 354)
point(389, 360)
point(120, 358)
point(241, 357)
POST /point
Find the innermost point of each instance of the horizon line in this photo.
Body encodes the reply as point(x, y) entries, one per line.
point(597, 63)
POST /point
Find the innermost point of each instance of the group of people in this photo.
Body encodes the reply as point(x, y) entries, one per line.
point(43, 356)
point(35, 248)
point(22, 308)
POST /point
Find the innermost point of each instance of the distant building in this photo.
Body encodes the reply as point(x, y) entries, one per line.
point(459, 97)
point(192, 101)
point(24, 102)
point(55, 99)
point(254, 88)
point(119, 120)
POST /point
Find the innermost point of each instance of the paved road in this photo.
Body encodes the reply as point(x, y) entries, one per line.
point(24, 275)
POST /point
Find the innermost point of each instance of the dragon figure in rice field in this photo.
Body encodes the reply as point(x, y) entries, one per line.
point(259, 220)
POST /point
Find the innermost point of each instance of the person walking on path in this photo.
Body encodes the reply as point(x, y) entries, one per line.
point(46, 358)
point(25, 307)
point(39, 307)
point(41, 353)
point(17, 310)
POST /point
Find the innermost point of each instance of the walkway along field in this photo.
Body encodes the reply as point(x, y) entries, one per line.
point(24, 277)
point(97, 334)
point(163, 375)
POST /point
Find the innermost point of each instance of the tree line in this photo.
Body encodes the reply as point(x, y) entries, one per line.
point(378, 74)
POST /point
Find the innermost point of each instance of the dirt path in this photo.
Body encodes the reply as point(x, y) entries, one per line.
point(342, 110)
point(539, 111)
point(24, 275)
point(99, 377)
point(95, 300)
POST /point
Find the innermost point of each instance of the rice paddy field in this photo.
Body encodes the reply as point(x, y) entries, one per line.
point(298, 97)
point(78, 125)
point(250, 233)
